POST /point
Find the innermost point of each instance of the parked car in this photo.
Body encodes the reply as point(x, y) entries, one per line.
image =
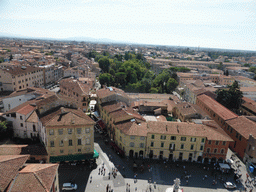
point(229, 185)
point(69, 187)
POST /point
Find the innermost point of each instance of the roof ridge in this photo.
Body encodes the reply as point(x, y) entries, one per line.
point(40, 181)
point(12, 157)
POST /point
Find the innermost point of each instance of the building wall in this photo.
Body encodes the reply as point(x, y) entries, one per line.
point(129, 142)
point(21, 128)
point(7, 82)
point(250, 152)
point(218, 149)
point(12, 102)
point(240, 143)
point(186, 150)
point(86, 136)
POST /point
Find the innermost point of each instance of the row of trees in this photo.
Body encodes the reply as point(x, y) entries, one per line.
point(132, 73)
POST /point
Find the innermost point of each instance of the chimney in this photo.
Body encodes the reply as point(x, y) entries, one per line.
point(62, 110)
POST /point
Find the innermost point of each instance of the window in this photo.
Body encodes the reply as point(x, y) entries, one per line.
point(215, 151)
point(237, 134)
point(202, 141)
point(173, 137)
point(70, 142)
point(217, 143)
point(69, 131)
point(152, 144)
point(249, 147)
point(183, 138)
point(52, 143)
point(88, 142)
point(152, 136)
point(61, 151)
point(192, 147)
point(78, 130)
point(51, 132)
point(222, 151)
point(132, 144)
point(182, 146)
point(34, 128)
point(142, 138)
point(240, 137)
point(79, 150)
point(61, 143)
point(120, 138)
point(162, 144)
point(21, 118)
point(209, 142)
point(193, 139)
point(79, 141)
point(201, 148)
point(141, 145)
point(208, 150)
point(60, 131)
point(163, 137)
point(87, 130)
point(21, 124)
point(132, 137)
point(224, 143)
point(231, 130)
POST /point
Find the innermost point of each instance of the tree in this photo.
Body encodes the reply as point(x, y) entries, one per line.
point(230, 98)
point(171, 85)
point(106, 79)
point(104, 64)
point(11, 57)
point(220, 66)
point(153, 90)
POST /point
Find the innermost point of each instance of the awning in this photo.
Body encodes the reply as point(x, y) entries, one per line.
point(96, 154)
point(77, 157)
point(224, 166)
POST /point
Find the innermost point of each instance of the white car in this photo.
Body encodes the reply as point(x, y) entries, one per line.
point(69, 187)
point(229, 185)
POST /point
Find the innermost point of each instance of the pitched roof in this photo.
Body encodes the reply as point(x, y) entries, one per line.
point(216, 107)
point(243, 126)
point(185, 129)
point(35, 177)
point(9, 167)
point(37, 149)
point(65, 116)
point(101, 93)
point(18, 70)
point(23, 108)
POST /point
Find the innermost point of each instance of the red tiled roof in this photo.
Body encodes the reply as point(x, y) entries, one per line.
point(9, 167)
point(35, 177)
point(217, 108)
point(243, 126)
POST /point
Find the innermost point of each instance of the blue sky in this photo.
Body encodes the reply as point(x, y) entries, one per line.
point(229, 24)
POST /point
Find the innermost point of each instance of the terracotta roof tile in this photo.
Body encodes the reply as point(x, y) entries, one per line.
point(9, 167)
point(219, 109)
point(243, 126)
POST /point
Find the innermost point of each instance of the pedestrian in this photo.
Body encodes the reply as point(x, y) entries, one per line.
point(90, 179)
point(107, 188)
point(135, 188)
point(99, 171)
point(109, 175)
point(104, 172)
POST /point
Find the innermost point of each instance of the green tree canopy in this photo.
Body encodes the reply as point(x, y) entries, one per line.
point(106, 79)
point(231, 97)
point(171, 85)
point(104, 64)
